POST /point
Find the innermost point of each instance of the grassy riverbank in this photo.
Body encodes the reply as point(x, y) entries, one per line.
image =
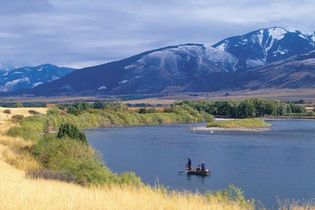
point(74, 161)
point(58, 158)
point(20, 193)
point(240, 123)
point(30, 144)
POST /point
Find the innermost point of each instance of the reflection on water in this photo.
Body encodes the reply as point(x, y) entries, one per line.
point(278, 163)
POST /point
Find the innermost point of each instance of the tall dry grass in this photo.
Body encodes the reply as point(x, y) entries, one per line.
point(292, 205)
point(5, 119)
point(16, 150)
point(17, 192)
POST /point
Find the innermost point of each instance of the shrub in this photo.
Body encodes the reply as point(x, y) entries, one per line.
point(17, 118)
point(73, 110)
point(49, 174)
point(71, 131)
point(72, 158)
point(98, 105)
point(7, 111)
point(146, 110)
point(129, 178)
point(18, 104)
point(233, 193)
point(53, 111)
point(74, 161)
point(31, 127)
point(33, 112)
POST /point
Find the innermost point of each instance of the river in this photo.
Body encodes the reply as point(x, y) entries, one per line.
point(268, 165)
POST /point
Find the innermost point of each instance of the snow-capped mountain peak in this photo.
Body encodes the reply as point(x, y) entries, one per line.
point(276, 32)
point(266, 45)
point(173, 58)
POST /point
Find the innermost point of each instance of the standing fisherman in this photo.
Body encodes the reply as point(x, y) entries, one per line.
point(188, 165)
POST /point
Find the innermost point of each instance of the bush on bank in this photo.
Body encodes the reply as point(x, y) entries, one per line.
point(77, 161)
point(68, 130)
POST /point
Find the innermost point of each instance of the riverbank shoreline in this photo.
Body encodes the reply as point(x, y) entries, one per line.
point(211, 129)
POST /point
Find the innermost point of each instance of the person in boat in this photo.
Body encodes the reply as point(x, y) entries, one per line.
point(198, 168)
point(203, 166)
point(188, 165)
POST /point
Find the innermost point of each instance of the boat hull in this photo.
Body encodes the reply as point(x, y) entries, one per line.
point(198, 173)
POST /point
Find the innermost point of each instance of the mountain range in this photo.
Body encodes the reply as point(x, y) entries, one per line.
point(29, 77)
point(271, 57)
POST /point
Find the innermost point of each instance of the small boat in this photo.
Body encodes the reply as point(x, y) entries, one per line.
point(198, 173)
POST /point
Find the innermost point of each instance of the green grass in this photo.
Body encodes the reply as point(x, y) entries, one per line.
point(35, 127)
point(29, 128)
point(78, 161)
point(71, 160)
point(240, 123)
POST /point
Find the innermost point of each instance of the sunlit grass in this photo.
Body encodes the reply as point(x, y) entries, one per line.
point(293, 205)
point(239, 123)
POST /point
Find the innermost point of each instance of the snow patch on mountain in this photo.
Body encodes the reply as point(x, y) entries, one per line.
point(222, 46)
point(8, 85)
point(171, 58)
point(276, 33)
point(103, 87)
point(280, 51)
point(54, 78)
point(123, 82)
point(36, 84)
point(253, 63)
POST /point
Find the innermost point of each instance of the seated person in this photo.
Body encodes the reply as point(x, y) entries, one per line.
point(203, 166)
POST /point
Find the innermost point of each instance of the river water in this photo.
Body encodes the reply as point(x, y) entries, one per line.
point(268, 165)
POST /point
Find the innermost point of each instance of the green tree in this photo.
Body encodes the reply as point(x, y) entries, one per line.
point(18, 104)
point(71, 131)
point(98, 105)
point(246, 109)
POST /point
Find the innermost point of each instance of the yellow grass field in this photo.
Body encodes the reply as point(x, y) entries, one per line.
point(20, 193)
point(5, 119)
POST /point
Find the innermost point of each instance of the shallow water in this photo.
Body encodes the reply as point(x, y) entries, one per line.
point(268, 165)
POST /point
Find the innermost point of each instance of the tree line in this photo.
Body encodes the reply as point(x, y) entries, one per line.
point(245, 108)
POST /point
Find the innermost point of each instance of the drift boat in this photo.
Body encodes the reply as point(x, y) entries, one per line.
point(198, 173)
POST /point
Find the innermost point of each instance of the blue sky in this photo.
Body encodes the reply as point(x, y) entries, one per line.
point(81, 33)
